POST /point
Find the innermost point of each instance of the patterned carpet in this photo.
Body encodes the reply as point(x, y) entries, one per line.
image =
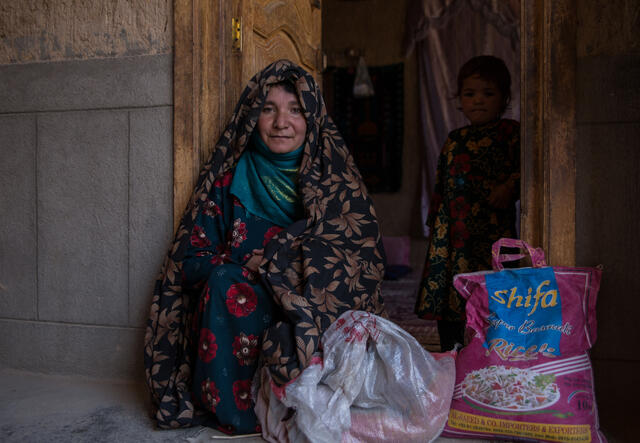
point(400, 298)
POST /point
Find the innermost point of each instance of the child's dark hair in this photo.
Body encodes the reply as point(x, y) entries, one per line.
point(488, 68)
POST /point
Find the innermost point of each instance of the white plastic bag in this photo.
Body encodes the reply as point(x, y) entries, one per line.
point(373, 382)
point(362, 85)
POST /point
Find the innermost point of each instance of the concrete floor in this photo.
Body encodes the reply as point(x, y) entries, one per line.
point(38, 408)
point(48, 408)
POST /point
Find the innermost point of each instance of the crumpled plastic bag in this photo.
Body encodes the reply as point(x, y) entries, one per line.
point(372, 382)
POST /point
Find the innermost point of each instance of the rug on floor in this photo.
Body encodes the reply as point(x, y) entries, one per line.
point(399, 299)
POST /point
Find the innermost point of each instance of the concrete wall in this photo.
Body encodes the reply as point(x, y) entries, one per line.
point(376, 27)
point(86, 180)
point(607, 196)
point(39, 30)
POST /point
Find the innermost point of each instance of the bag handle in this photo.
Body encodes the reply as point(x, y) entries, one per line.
point(536, 254)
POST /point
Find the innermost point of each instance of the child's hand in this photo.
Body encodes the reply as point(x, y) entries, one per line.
point(501, 195)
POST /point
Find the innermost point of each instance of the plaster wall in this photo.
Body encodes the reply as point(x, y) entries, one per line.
point(607, 189)
point(86, 179)
point(39, 30)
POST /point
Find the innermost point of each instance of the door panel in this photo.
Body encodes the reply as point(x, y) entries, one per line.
point(277, 46)
point(276, 29)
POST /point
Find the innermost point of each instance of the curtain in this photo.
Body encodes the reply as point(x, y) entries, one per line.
point(445, 34)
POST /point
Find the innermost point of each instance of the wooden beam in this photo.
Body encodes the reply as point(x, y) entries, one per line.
point(200, 52)
point(183, 105)
point(549, 127)
point(531, 167)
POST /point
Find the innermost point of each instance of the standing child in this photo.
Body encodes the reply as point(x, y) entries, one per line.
point(477, 185)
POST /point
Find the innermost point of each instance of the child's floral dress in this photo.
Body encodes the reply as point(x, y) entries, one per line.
point(462, 224)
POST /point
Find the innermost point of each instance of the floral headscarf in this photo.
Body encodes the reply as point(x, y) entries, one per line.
point(327, 263)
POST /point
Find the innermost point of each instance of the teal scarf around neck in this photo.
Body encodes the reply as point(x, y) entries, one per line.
point(266, 183)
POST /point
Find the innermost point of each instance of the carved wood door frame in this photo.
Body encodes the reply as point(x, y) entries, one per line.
point(203, 59)
point(548, 122)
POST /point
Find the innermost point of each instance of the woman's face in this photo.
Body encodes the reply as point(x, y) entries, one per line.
point(282, 125)
point(481, 100)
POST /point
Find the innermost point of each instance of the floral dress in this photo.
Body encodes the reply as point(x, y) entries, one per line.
point(462, 224)
point(234, 307)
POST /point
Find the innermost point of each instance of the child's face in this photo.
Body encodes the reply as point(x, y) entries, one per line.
point(480, 99)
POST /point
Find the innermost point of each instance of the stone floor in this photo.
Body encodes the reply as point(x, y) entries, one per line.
point(40, 408)
point(47, 408)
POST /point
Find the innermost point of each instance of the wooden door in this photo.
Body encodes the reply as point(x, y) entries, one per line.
point(275, 29)
point(211, 69)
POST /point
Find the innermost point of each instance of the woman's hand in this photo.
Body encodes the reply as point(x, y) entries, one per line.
point(253, 263)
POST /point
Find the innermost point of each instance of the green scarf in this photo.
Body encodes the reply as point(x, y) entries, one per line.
point(267, 183)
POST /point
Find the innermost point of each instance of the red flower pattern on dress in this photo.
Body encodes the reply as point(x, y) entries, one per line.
point(461, 164)
point(211, 209)
point(242, 394)
point(199, 238)
point(239, 233)
point(459, 208)
point(459, 234)
point(207, 347)
point(223, 181)
point(270, 233)
point(251, 276)
point(241, 299)
point(245, 348)
point(222, 255)
point(210, 395)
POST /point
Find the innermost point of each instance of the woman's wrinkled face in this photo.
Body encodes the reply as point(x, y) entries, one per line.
point(282, 125)
point(481, 100)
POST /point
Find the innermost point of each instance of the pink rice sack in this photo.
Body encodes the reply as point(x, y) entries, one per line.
point(526, 373)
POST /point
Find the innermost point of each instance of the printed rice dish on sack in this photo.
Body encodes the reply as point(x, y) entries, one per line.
point(511, 388)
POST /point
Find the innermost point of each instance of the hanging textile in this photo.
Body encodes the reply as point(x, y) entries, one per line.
point(372, 127)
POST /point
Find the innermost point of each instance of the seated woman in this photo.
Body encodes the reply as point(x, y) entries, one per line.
point(279, 239)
